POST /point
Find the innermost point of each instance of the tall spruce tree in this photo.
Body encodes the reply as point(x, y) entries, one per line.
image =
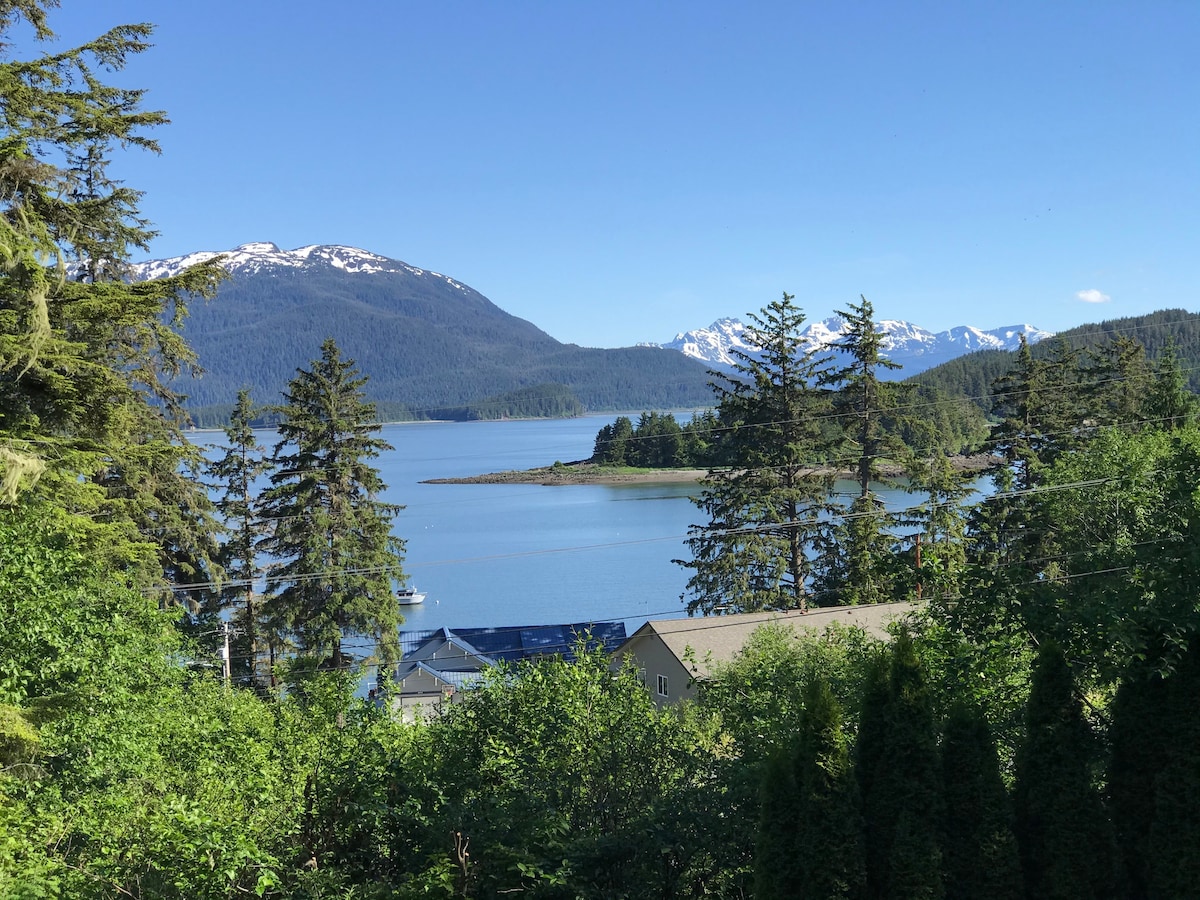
point(88, 419)
point(236, 472)
point(863, 401)
point(766, 505)
point(335, 558)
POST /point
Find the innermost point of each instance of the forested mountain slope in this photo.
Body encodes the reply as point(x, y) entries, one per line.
point(972, 375)
point(431, 345)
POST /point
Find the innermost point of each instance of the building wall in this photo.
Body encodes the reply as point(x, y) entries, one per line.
point(655, 660)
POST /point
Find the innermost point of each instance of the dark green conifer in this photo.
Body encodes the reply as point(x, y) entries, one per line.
point(899, 775)
point(766, 504)
point(979, 848)
point(1169, 405)
point(1063, 831)
point(1139, 740)
point(864, 401)
point(336, 558)
point(86, 358)
point(829, 848)
point(237, 469)
point(776, 875)
point(1172, 848)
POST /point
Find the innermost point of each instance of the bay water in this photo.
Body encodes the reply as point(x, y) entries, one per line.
point(525, 554)
point(489, 555)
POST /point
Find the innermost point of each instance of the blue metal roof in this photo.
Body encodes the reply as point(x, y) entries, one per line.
point(512, 643)
point(517, 642)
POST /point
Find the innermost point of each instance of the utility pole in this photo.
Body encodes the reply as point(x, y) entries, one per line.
point(225, 652)
point(920, 583)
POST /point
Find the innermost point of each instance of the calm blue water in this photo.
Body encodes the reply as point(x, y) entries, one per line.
point(499, 554)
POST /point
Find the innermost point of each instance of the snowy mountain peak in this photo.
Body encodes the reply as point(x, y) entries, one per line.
point(258, 256)
point(915, 348)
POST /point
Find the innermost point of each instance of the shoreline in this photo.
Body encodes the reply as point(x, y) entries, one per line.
point(583, 472)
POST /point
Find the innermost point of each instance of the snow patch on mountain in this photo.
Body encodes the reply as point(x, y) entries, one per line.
point(260, 256)
point(914, 347)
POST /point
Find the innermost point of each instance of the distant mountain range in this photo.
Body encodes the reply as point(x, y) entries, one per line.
point(913, 347)
point(432, 346)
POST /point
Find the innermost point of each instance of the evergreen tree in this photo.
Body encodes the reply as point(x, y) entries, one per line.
point(87, 417)
point(938, 554)
point(1065, 839)
point(829, 848)
point(898, 770)
point(1018, 402)
point(236, 471)
point(612, 443)
point(334, 554)
point(862, 403)
point(776, 846)
point(765, 509)
point(979, 847)
point(1174, 864)
point(1139, 742)
point(1169, 405)
point(1120, 380)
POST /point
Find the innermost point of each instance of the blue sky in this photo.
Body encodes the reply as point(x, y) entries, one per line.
point(616, 172)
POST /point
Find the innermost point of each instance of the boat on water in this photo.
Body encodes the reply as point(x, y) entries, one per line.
point(408, 596)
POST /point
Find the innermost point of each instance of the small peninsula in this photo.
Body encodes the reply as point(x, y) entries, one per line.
point(580, 472)
point(587, 472)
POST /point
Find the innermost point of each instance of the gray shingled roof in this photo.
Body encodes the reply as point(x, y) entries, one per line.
point(717, 639)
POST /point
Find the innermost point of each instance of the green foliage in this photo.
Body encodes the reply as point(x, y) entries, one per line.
point(829, 845)
point(972, 375)
point(768, 508)
point(979, 847)
point(1141, 738)
point(757, 697)
point(236, 471)
point(556, 771)
point(335, 554)
point(777, 844)
point(88, 418)
point(898, 768)
point(1173, 865)
point(1066, 841)
point(659, 442)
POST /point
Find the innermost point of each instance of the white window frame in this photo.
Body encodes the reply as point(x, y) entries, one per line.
point(663, 688)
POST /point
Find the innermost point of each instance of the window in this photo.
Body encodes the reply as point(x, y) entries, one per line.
point(662, 686)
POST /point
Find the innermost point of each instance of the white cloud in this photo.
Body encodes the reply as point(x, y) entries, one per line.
point(1092, 296)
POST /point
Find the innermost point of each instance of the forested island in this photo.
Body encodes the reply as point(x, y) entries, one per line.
point(176, 722)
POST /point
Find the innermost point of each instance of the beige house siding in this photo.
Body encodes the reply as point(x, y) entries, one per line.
point(654, 660)
point(685, 650)
point(422, 691)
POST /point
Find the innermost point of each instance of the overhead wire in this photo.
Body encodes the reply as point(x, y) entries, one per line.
point(751, 529)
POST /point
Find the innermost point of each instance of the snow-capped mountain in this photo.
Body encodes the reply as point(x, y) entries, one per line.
point(430, 345)
point(262, 256)
point(915, 348)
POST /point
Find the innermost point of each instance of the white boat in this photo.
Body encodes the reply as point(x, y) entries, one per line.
point(408, 596)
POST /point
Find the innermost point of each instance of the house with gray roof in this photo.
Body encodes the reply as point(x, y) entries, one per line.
point(673, 654)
